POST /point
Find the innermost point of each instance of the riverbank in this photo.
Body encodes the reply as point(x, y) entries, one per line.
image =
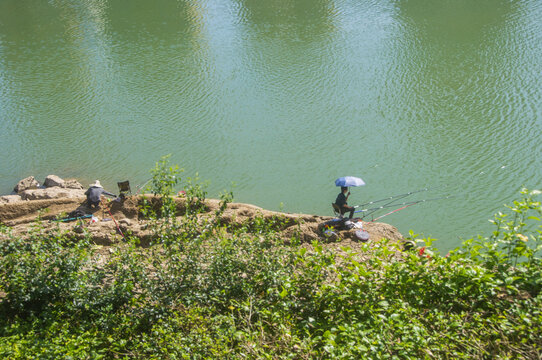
point(57, 198)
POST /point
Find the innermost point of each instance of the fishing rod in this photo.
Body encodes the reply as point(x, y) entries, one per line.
point(141, 187)
point(393, 201)
point(391, 212)
point(116, 223)
point(406, 204)
point(390, 203)
point(67, 219)
point(396, 197)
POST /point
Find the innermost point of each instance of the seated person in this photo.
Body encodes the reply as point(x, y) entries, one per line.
point(94, 193)
point(341, 202)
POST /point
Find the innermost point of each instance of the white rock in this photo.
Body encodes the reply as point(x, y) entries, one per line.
point(53, 180)
point(72, 184)
point(9, 199)
point(51, 193)
point(25, 184)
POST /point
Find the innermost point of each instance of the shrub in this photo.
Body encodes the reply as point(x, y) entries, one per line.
point(206, 290)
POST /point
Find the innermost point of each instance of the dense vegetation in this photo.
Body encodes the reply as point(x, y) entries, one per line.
point(204, 290)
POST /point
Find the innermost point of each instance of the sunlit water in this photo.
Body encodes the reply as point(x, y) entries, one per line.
point(281, 98)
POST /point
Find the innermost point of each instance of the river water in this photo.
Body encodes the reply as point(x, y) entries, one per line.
point(281, 97)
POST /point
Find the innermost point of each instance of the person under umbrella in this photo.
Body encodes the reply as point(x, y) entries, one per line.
point(342, 202)
point(342, 199)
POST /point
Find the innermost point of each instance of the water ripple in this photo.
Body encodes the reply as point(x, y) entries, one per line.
point(281, 98)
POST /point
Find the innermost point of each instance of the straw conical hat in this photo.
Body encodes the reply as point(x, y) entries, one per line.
point(96, 184)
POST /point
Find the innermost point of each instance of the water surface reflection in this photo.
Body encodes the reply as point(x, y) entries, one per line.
point(281, 97)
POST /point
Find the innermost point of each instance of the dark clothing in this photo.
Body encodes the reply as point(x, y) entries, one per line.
point(343, 205)
point(93, 195)
point(341, 200)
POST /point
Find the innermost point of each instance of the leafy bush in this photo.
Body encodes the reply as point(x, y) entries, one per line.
point(209, 290)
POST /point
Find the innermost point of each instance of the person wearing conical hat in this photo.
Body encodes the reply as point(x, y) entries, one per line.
point(94, 192)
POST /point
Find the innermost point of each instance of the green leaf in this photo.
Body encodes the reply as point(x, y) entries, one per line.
point(384, 304)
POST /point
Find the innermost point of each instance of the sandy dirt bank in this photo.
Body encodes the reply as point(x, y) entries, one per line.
point(123, 216)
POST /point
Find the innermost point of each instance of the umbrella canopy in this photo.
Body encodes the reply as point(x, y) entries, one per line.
point(349, 181)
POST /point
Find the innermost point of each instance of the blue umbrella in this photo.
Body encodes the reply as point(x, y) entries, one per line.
point(349, 181)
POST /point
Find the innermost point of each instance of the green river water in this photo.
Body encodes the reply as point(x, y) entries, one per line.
point(281, 97)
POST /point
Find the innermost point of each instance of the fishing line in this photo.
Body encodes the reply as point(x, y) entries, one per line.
point(410, 204)
point(141, 187)
point(404, 203)
point(396, 197)
point(391, 212)
point(393, 201)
